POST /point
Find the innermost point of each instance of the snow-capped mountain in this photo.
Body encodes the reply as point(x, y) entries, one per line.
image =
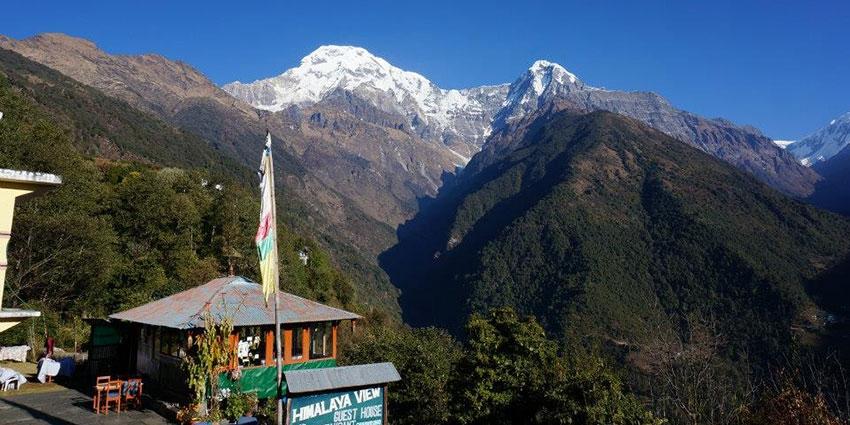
point(824, 143)
point(541, 82)
point(784, 143)
point(461, 121)
point(450, 116)
point(547, 87)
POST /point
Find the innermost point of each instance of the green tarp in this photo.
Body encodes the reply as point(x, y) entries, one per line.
point(104, 335)
point(263, 380)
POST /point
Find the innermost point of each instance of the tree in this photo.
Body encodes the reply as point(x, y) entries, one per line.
point(426, 360)
point(512, 373)
point(689, 380)
point(791, 405)
point(505, 370)
point(209, 354)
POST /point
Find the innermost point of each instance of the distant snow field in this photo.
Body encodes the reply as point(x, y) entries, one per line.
point(783, 143)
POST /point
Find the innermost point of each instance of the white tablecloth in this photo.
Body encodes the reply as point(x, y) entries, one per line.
point(17, 353)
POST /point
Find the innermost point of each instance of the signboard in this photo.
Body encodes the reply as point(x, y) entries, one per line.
point(363, 406)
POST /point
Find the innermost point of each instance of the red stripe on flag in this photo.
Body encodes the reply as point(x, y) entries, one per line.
point(263, 230)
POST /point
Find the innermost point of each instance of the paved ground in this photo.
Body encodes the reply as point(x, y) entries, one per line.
point(66, 407)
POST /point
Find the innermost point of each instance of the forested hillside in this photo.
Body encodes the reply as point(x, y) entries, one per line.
point(833, 192)
point(108, 128)
point(613, 234)
point(102, 127)
point(122, 231)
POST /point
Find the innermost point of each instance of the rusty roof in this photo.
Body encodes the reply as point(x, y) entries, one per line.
point(235, 297)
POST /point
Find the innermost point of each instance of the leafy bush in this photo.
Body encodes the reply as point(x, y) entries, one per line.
point(239, 404)
point(426, 360)
point(267, 411)
point(791, 405)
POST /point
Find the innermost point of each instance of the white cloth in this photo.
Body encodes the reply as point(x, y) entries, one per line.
point(242, 349)
point(47, 367)
point(17, 353)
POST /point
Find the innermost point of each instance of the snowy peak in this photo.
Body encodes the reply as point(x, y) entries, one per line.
point(824, 143)
point(453, 117)
point(783, 144)
point(329, 68)
point(544, 73)
point(449, 116)
point(542, 81)
point(350, 68)
point(541, 77)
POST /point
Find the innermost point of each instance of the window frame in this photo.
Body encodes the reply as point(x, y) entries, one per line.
point(261, 349)
point(296, 340)
point(170, 339)
point(326, 340)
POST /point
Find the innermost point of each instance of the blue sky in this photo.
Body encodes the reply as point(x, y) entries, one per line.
point(779, 65)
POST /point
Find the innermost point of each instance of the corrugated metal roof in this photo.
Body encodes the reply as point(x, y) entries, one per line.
point(334, 378)
point(14, 313)
point(235, 297)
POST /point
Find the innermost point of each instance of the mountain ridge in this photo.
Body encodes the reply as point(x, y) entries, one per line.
point(596, 223)
point(430, 109)
point(824, 143)
point(540, 85)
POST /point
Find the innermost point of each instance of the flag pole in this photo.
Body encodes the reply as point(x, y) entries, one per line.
point(278, 357)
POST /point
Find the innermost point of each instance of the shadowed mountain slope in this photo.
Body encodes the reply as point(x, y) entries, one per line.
point(604, 228)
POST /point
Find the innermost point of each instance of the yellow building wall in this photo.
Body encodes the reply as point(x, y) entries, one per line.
point(5, 324)
point(9, 192)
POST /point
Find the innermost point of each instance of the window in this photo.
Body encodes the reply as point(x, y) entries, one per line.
point(170, 342)
point(251, 347)
point(297, 351)
point(320, 341)
point(145, 340)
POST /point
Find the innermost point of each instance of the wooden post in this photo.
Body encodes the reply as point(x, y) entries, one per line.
point(287, 346)
point(233, 341)
point(386, 413)
point(333, 340)
point(278, 359)
point(305, 343)
point(269, 347)
point(288, 409)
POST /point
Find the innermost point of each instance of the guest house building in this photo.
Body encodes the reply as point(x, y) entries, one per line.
point(151, 340)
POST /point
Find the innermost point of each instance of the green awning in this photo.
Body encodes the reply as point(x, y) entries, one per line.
point(263, 380)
